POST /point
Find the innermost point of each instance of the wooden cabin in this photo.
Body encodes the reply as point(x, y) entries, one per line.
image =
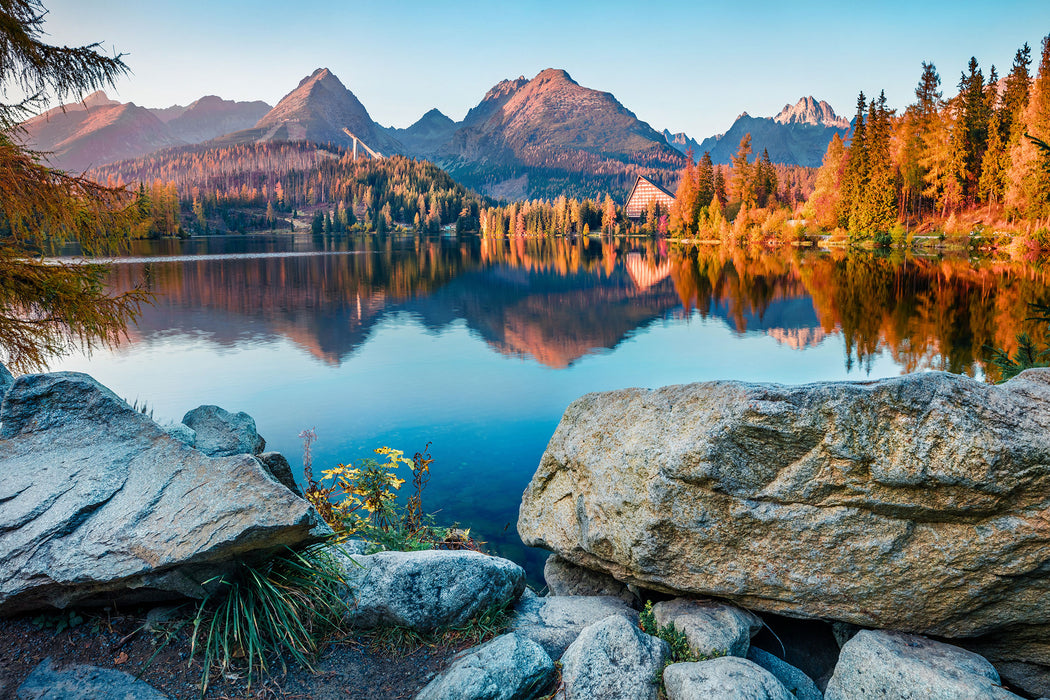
point(643, 192)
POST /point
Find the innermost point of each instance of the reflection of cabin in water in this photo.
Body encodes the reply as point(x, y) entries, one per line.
point(644, 192)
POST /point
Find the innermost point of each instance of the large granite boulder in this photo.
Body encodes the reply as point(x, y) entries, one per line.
point(509, 667)
point(428, 590)
point(878, 665)
point(98, 503)
point(220, 433)
point(83, 682)
point(916, 503)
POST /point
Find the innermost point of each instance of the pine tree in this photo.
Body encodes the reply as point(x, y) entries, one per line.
point(973, 122)
point(705, 181)
point(743, 184)
point(1015, 96)
point(855, 177)
point(1028, 188)
point(720, 187)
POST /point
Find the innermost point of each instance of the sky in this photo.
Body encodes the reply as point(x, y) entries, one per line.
point(684, 66)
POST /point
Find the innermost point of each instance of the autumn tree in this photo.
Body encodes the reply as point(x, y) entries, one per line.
point(1028, 189)
point(742, 186)
point(48, 308)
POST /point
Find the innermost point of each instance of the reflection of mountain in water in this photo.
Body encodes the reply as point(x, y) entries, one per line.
point(557, 300)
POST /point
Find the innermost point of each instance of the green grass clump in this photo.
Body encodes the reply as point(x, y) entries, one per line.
point(403, 641)
point(681, 652)
point(285, 607)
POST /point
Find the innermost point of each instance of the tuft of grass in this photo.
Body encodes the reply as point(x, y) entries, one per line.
point(680, 650)
point(286, 607)
point(402, 641)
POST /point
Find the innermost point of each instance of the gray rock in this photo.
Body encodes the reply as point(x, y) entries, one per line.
point(277, 466)
point(613, 660)
point(556, 621)
point(879, 664)
point(797, 683)
point(99, 504)
point(726, 678)
point(429, 590)
point(1021, 654)
point(844, 632)
point(510, 667)
point(712, 628)
point(915, 503)
point(223, 434)
point(565, 578)
point(181, 432)
point(6, 380)
point(1031, 678)
point(81, 682)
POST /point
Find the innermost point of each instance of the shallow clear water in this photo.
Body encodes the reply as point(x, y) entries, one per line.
point(479, 346)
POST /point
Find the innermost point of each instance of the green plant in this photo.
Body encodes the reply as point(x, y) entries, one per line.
point(284, 607)
point(680, 651)
point(486, 625)
point(1027, 355)
point(59, 622)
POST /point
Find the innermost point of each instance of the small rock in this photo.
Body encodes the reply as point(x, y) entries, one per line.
point(565, 578)
point(429, 590)
point(82, 682)
point(556, 621)
point(613, 660)
point(510, 667)
point(223, 434)
point(879, 664)
point(6, 380)
point(181, 432)
point(725, 678)
point(277, 466)
point(712, 628)
point(844, 632)
point(797, 683)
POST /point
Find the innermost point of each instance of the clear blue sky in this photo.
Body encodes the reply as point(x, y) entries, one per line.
point(686, 66)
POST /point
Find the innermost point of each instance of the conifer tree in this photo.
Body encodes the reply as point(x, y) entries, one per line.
point(855, 177)
point(720, 186)
point(743, 184)
point(705, 181)
point(684, 208)
point(1015, 96)
point(1028, 189)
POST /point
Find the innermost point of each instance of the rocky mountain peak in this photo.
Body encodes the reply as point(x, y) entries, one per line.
point(808, 110)
point(553, 75)
point(98, 99)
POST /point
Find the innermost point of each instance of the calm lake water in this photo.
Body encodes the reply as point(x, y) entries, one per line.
point(478, 346)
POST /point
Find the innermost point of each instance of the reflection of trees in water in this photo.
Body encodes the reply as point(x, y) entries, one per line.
point(557, 299)
point(927, 313)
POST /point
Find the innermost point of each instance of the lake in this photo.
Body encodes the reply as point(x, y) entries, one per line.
point(477, 346)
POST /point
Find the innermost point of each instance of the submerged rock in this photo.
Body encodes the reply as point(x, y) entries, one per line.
point(82, 682)
point(915, 503)
point(220, 433)
point(876, 664)
point(98, 503)
point(429, 590)
point(509, 667)
point(556, 621)
point(712, 628)
point(613, 660)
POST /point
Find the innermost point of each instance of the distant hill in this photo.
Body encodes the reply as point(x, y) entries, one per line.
point(427, 135)
point(99, 130)
point(318, 110)
point(550, 136)
point(798, 135)
point(94, 132)
point(213, 116)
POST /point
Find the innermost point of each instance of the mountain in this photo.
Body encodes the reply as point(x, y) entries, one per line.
point(550, 136)
point(318, 110)
point(798, 135)
point(426, 135)
point(213, 116)
point(96, 131)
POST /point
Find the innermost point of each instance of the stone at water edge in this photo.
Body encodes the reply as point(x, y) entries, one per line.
point(613, 660)
point(556, 621)
point(509, 667)
point(428, 590)
point(876, 665)
point(83, 682)
point(565, 578)
point(726, 678)
point(277, 466)
point(223, 434)
point(712, 628)
point(99, 504)
point(913, 503)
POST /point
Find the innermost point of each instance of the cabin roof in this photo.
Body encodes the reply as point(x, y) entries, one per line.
point(634, 187)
